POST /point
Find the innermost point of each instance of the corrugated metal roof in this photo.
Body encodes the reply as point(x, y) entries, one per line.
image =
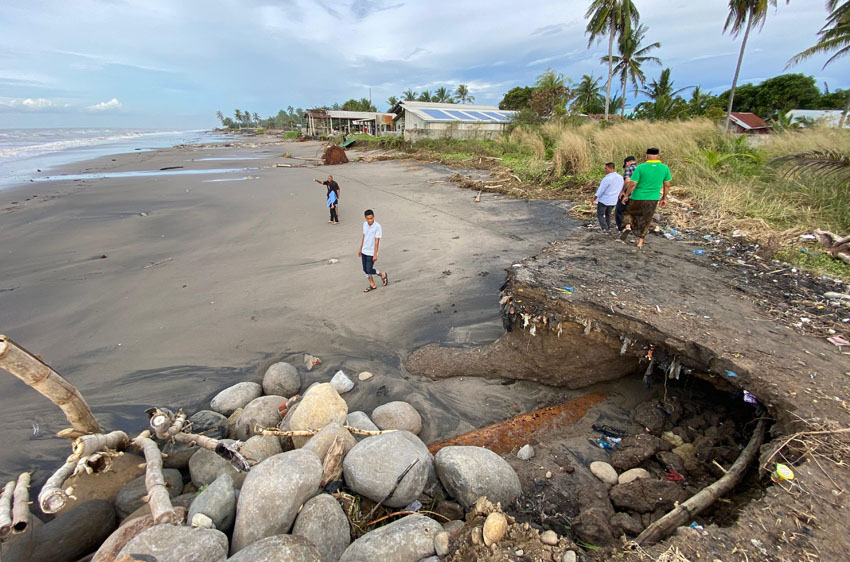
point(433, 112)
point(749, 120)
point(339, 114)
point(831, 116)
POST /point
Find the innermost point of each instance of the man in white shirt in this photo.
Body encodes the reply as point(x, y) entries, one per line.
point(368, 251)
point(606, 196)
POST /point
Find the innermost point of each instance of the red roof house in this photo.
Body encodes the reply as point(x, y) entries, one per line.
point(749, 123)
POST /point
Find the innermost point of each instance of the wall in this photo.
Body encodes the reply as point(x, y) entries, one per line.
point(463, 132)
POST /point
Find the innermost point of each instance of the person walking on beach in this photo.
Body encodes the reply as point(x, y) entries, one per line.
point(629, 165)
point(332, 198)
point(644, 189)
point(606, 196)
point(368, 252)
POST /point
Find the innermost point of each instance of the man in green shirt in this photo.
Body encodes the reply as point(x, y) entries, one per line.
point(643, 191)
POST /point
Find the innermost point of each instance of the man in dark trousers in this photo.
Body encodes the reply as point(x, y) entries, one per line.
point(333, 200)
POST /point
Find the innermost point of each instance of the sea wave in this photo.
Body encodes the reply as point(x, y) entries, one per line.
point(23, 143)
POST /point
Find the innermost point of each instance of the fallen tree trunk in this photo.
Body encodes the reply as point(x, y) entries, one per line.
point(21, 506)
point(686, 511)
point(158, 498)
point(90, 444)
point(53, 497)
point(42, 378)
point(6, 510)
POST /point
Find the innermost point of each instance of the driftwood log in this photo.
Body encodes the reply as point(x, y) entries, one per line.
point(310, 432)
point(6, 510)
point(42, 378)
point(90, 444)
point(53, 497)
point(686, 511)
point(21, 504)
point(167, 425)
point(158, 498)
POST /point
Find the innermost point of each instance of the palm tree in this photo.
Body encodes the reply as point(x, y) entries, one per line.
point(663, 96)
point(257, 118)
point(633, 55)
point(220, 116)
point(587, 94)
point(238, 115)
point(409, 95)
point(442, 95)
point(462, 93)
point(392, 100)
point(834, 35)
point(614, 18)
point(424, 96)
point(743, 15)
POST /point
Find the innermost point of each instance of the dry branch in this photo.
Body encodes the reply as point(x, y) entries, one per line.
point(310, 432)
point(53, 497)
point(393, 489)
point(332, 463)
point(6, 510)
point(42, 378)
point(158, 498)
point(167, 425)
point(90, 444)
point(21, 504)
point(686, 511)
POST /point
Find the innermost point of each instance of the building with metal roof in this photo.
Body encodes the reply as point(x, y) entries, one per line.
point(749, 123)
point(419, 119)
point(322, 122)
point(828, 117)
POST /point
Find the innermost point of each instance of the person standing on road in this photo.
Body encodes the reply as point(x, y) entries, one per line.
point(606, 196)
point(332, 198)
point(629, 165)
point(368, 252)
point(644, 189)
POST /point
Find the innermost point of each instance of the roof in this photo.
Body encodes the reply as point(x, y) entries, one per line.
point(338, 114)
point(749, 121)
point(830, 116)
point(433, 112)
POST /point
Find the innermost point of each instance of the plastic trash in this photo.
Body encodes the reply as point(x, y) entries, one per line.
point(732, 374)
point(750, 399)
point(696, 526)
point(698, 252)
point(570, 289)
point(782, 472)
point(415, 505)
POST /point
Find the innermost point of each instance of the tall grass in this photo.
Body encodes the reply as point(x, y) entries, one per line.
point(528, 142)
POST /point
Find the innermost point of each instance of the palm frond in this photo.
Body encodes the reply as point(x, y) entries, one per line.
point(825, 163)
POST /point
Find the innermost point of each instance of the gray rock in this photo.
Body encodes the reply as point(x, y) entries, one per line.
point(262, 411)
point(525, 452)
point(397, 415)
point(626, 523)
point(322, 441)
point(432, 484)
point(361, 421)
point(205, 467)
point(273, 492)
point(431, 559)
point(646, 495)
point(129, 497)
point(592, 525)
point(182, 501)
point(468, 473)
point(206, 422)
point(218, 502)
point(282, 379)
point(260, 447)
point(323, 522)
point(169, 543)
point(280, 548)
point(409, 539)
point(374, 464)
point(234, 397)
point(569, 556)
point(73, 534)
point(604, 471)
point(320, 406)
point(109, 549)
point(341, 382)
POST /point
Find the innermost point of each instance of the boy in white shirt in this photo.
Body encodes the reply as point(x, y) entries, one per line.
point(368, 251)
point(607, 195)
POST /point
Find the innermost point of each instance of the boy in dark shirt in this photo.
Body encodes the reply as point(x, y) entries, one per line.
point(333, 187)
point(629, 166)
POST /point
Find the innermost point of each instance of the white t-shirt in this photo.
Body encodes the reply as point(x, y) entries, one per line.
point(609, 189)
point(370, 233)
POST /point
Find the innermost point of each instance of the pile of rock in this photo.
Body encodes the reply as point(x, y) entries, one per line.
point(288, 505)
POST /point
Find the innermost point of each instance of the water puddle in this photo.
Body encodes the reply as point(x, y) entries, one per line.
point(228, 179)
point(139, 174)
point(219, 159)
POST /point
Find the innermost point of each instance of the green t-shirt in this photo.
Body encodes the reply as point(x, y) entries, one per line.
point(650, 177)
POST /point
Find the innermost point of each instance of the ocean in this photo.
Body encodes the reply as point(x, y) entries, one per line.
point(24, 153)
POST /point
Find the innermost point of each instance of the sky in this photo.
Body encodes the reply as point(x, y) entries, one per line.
point(174, 63)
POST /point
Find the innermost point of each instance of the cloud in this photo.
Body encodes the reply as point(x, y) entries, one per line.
point(111, 105)
point(33, 104)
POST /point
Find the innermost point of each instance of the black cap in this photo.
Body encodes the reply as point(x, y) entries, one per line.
point(652, 151)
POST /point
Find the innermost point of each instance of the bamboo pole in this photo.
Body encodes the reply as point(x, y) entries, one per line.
point(89, 444)
point(158, 498)
point(686, 511)
point(39, 376)
point(53, 497)
point(310, 432)
point(21, 504)
point(6, 510)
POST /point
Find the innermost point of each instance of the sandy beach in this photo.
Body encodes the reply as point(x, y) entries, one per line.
point(164, 289)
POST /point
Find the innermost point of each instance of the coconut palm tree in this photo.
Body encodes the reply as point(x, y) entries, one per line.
point(834, 36)
point(615, 19)
point(588, 95)
point(442, 95)
point(392, 100)
point(462, 94)
point(424, 96)
point(743, 15)
point(663, 97)
point(409, 95)
point(220, 116)
point(632, 56)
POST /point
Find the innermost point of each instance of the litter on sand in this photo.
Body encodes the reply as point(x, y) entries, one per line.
point(837, 341)
point(698, 252)
point(749, 398)
point(732, 374)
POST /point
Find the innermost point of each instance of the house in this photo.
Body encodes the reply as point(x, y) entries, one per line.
point(828, 117)
point(749, 124)
point(322, 122)
point(428, 120)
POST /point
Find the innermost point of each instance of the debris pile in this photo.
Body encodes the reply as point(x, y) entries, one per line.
point(334, 155)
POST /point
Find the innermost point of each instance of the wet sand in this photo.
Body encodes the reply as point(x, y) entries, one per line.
point(206, 283)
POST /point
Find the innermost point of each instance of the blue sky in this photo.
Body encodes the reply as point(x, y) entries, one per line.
point(173, 63)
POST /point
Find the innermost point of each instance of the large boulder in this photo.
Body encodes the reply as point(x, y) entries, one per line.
point(218, 502)
point(109, 549)
point(432, 483)
point(181, 501)
point(103, 485)
point(262, 411)
point(234, 397)
point(323, 522)
point(280, 548)
point(169, 543)
point(74, 533)
point(273, 492)
point(373, 466)
point(593, 526)
point(130, 496)
point(361, 421)
point(397, 415)
point(468, 473)
point(206, 422)
point(260, 447)
point(409, 539)
point(645, 495)
point(206, 466)
point(282, 379)
point(320, 406)
point(322, 441)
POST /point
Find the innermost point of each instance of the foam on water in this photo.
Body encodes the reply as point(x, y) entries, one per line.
point(140, 174)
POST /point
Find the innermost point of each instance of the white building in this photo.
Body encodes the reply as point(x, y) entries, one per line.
point(321, 123)
point(428, 120)
point(829, 117)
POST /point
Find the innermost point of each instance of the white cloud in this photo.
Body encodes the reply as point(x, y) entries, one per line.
point(33, 104)
point(111, 105)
